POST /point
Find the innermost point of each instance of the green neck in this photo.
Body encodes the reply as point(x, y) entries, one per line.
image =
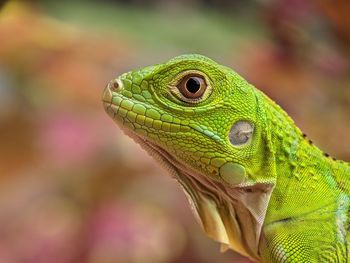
point(306, 177)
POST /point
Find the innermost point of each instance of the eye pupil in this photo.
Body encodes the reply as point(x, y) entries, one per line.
point(193, 85)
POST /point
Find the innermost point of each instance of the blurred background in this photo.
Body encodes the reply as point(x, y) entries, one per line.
point(73, 188)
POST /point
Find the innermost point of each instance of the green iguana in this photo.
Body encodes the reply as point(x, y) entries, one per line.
point(256, 183)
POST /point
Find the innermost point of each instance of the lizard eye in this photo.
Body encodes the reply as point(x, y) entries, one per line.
point(192, 86)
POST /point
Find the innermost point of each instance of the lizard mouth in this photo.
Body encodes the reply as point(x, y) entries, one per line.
point(137, 115)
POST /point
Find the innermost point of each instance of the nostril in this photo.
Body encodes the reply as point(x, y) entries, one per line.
point(115, 85)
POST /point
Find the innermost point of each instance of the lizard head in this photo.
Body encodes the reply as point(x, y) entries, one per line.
point(206, 125)
point(203, 114)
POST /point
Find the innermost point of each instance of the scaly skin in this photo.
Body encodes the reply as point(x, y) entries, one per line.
point(274, 198)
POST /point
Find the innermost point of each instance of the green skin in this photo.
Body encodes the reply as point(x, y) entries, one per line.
point(275, 198)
